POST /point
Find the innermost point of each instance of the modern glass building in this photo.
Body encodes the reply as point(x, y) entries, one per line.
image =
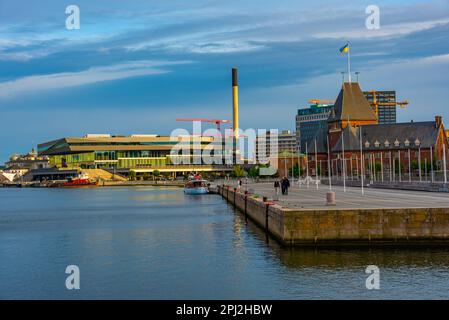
point(309, 121)
point(386, 113)
point(140, 153)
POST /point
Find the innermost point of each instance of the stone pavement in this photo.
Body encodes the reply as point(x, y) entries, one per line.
point(311, 198)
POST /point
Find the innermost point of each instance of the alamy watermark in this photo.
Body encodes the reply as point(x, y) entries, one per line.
point(373, 280)
point(372, 22)
point(72, 282)
point(73, 21)
point(212, 147)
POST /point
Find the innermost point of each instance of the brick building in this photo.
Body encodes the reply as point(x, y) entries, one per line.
point(393, 152)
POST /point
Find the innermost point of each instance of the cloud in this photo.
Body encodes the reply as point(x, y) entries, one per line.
point(385, 31)
point(89, 76)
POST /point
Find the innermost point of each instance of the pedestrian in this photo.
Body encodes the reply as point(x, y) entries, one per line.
point(239, 184)
point(285, 185)
point(276, 187)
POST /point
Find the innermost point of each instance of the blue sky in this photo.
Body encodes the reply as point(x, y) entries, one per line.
point(134, 66)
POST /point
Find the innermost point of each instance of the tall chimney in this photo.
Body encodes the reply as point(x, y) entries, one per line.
point(438, 121)
point(235, 103)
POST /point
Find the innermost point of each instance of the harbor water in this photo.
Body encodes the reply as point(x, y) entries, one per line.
point(157, 243)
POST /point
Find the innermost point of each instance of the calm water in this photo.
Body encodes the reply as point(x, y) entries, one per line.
point(149, 243)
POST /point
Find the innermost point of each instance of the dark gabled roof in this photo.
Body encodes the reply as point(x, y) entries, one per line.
point(351, 140)
point(425, 132)
point(351, 104)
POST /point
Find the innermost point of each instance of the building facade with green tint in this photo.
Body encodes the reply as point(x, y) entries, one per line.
point(140, 153)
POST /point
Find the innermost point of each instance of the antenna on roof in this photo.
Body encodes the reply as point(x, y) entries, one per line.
point(343, 76)
point(357, 74)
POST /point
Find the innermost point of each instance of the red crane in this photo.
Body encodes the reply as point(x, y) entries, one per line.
point(217, 122)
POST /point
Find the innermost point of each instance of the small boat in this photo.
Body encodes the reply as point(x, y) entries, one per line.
point(81, 181)
point(196, 187)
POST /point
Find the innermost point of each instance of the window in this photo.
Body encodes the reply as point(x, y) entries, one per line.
point(417, 142)
point(397, 143)
point(376, 144)
point(366, 144)
point(387, 144)
point(406, 142)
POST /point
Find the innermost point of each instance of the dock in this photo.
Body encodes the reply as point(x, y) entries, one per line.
point(379, 217)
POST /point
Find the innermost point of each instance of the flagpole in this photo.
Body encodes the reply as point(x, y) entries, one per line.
point(349, 63)
point(361, 161)
point(316, 165)
point(343, 158)
point(329, 169)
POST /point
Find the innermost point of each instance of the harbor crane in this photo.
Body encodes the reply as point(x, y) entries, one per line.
point(321, 102)
point(217, 122)
point(376, 104)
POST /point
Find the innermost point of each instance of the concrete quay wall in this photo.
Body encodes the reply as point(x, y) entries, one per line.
point(337, 227)
point(405, 185)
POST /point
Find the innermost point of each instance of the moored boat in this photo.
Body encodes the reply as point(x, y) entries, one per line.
point(78, 182)
point(195, 187)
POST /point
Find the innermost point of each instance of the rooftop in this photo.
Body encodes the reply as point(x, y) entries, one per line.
point(351, 104)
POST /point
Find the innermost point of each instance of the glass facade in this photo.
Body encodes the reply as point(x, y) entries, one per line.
point(125, 152)
point(386, 114)
point(72, 160)
point(309, 121)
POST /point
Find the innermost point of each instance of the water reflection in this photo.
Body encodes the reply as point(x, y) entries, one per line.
point(151, 243)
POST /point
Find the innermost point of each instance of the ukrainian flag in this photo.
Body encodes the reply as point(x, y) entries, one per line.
point(345, 48)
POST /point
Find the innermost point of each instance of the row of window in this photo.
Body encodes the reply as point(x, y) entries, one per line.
point(396, 143)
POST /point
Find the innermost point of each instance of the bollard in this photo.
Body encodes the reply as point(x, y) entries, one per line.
point(266, 219)
point(246, 210)
point(330, 198)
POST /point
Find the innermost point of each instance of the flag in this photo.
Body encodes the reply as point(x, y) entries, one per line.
point(345, 48)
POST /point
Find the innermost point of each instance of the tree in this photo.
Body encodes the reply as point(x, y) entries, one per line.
point(295, 171)
point(132, 175)
point(238, 172)
point(378, 166)
point(254, 172)
point(156, 173)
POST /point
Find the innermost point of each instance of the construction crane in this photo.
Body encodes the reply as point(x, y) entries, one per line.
point(322, 102)
point(375, 104)
point(217, 122)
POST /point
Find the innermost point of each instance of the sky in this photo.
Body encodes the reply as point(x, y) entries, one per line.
point(135, 66)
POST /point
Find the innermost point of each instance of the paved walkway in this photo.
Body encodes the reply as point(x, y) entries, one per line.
point(311, 198)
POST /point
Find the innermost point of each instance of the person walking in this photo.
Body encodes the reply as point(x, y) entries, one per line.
point(282, 185)
point(239, 184)
point(276, 187)
point(285, 185)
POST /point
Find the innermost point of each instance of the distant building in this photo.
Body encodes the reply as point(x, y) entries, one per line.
point(309, 121)
point(386, 114)
point(138, 153)
point(19, 165)
point(286, 142)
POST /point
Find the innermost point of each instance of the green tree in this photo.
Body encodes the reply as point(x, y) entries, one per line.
point(238, 172)
point(254, 172)
point(378, 167)
point(396, 167)
point(132, 175)
point(156, 173)
point(295, 171)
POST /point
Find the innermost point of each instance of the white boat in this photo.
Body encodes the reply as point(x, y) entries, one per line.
point(196, 187)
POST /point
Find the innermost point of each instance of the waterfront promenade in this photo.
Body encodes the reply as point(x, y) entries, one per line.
point(380, 217)
point(313, 198)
